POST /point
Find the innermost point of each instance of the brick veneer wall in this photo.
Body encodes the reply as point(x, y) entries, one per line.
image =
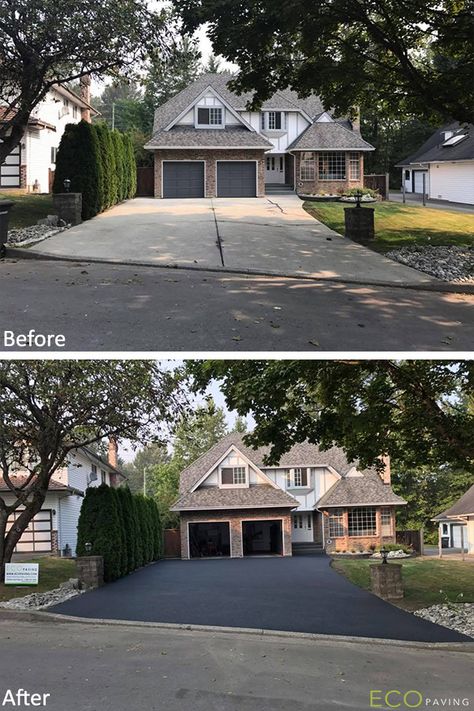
point(327, 186)
point(210, 156)
point(235, 518)
point(348, 543)
point(54, 543)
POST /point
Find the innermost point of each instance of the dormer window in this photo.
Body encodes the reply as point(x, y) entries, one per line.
point(297, 477)
point(209, 116)
point(273, 121)
point(234, 476)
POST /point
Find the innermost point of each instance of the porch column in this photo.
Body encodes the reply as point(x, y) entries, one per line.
point(440, 547)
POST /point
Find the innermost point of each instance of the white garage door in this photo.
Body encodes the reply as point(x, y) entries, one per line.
point(453, 181)
point(418, 177)
point(10, 170)
point(37, 538)
point(457, 536)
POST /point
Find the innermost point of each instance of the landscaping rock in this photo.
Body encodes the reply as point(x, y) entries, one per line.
point(43, 600)
point(393, 554)
point(456, 616)
point(451, 263)
point(35, 233)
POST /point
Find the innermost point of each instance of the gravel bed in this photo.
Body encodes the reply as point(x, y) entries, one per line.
point(43, 600)
point(458, 616)
point(451, 263)
point(36, 233)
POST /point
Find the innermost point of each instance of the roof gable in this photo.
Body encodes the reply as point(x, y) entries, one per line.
point(208, 89)
point(235, 450)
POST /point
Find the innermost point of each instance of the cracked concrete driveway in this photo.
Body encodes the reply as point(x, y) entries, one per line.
point(263, 235)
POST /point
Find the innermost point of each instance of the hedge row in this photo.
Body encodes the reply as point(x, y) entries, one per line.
point(100, 164)
point(122, 527)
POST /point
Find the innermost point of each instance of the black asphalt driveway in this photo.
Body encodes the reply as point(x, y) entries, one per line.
point(300, 594)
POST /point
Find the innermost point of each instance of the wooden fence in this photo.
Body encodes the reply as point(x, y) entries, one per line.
point(172, 543)
point(145, 182)
point(378, 182)
point(411, 538)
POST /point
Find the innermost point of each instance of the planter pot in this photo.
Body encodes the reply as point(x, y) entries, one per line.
point(319, 198)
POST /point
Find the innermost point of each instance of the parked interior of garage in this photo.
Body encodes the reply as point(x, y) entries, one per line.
point(209, 540)
point(262, 537)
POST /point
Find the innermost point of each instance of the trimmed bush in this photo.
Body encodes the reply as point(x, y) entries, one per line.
point(129, 526)
point(108, 165)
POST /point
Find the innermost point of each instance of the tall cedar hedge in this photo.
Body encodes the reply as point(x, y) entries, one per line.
point(122, 527)
point(100, 164)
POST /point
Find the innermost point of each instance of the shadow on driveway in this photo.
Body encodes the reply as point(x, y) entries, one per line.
point(301, 594)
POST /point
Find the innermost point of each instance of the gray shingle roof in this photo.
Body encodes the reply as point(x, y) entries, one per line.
point(260, 496)
point(463, 506)
point(433, 150)
point(368, 489)
point(20, 479)
point(189, 137)
point(329, 136)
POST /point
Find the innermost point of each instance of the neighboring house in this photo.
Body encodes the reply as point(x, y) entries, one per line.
point(456, 524)
point(446, 162)
point(55, 526)
point(31, 165)
point(206, 143)
point(232, 504)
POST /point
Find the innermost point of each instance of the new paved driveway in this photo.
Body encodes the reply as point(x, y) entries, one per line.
point(300, 594)
point(267, 235)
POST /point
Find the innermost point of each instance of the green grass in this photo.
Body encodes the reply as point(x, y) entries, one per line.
point(398, 225)
point(28, 208)
point(52, 572)
point(422, 579)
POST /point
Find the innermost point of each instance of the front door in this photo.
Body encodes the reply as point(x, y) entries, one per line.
point(302, 529)
point(275, 169)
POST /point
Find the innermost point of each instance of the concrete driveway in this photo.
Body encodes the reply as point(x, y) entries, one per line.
point(266, 235)
point(299, 594)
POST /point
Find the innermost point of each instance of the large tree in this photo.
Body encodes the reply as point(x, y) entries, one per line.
point(49, 408)
point(45, 42)
point(414, 54)
point(414, 411)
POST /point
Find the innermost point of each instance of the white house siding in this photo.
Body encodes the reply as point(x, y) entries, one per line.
point(69, 510)
point(320, 480)
point(452, 181)
point(470, 534)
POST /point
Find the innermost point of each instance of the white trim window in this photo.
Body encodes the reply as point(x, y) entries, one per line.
point(273, 121)
point(298, 477)
point(354, 166)
point(234, 476)
point(307, 166)
point(362, 521)
point(332, 166)
point(336, 523)
point(209, 116)
point(386, 522)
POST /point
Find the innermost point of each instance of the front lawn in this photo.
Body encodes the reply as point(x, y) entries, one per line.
point(398, 225)
point(52, 572)
point(28, 208)
point(422, 580)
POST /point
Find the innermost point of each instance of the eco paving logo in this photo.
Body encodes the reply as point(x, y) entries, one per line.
point(413, 699)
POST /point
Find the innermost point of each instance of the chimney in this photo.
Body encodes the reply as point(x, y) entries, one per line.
point(85, 94)
point(386, 478)
point(356, 120)
point(112, 453)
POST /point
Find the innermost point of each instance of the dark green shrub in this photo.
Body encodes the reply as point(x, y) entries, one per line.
point(79, 160)
point(108, 164)
point(131, 166)
point(120, 168)
point(100, 525)
point(129, 524)
point(123, 542)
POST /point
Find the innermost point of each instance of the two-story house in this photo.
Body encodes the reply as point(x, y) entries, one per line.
point(30, 166)
point(55, 526)
point(232, 504)
point(206, 143)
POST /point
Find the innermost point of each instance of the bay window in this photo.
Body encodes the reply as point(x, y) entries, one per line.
point(332, 166)
point(362, 521)
point(307, 167)
point(336, 523)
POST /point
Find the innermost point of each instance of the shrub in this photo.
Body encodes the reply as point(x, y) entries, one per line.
point(108, 165)
point(129, 525)
point(123, 537)
point(100, 525)
point(119, 153)
point(352, 192)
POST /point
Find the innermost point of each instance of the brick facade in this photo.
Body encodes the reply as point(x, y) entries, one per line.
point(54, 543)
point(235, 518)
point(328, 186)
point(358, 543)
point(210, 156)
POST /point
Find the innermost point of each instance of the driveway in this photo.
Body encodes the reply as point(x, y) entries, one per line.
point(300, 594)
point(265, 235)
point(412, 199)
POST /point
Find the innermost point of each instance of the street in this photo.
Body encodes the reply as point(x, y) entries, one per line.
point(100, 307)
point(124, 668)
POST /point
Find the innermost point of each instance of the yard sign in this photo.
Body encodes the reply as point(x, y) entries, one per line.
point(21, 573)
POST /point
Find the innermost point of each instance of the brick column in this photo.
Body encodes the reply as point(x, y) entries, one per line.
point(386, 580)
point(90, 571)
point(68, 207)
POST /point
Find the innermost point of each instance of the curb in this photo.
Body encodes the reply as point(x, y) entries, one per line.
point(31, 615)
point(429, 286)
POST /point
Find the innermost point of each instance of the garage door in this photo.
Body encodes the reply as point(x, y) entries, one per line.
point(209, 540)
point(37, 537)
point(456, 530)
point(418, 178)
point(262, 537)
point(183, 179)
point(236, 179)
point(10, 170)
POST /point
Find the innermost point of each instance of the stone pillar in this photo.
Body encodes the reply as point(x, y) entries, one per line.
point(90, 571)
point(386, 580)
point(5, 207)
point(68, 207)
point(359, 223)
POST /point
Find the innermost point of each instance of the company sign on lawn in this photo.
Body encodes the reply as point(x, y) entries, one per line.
point(21, 573)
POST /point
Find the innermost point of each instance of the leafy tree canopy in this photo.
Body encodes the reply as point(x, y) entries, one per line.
point(413, 54)
point(44, 42)
point(414, 411)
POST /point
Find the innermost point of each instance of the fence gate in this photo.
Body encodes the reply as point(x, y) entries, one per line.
point(378, 182)
point(145, 182)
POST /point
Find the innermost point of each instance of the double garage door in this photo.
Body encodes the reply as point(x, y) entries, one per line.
point(212, 539)
point(186, 179)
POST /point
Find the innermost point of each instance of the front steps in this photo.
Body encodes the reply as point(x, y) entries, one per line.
point(278, 189)
point(307, 548)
